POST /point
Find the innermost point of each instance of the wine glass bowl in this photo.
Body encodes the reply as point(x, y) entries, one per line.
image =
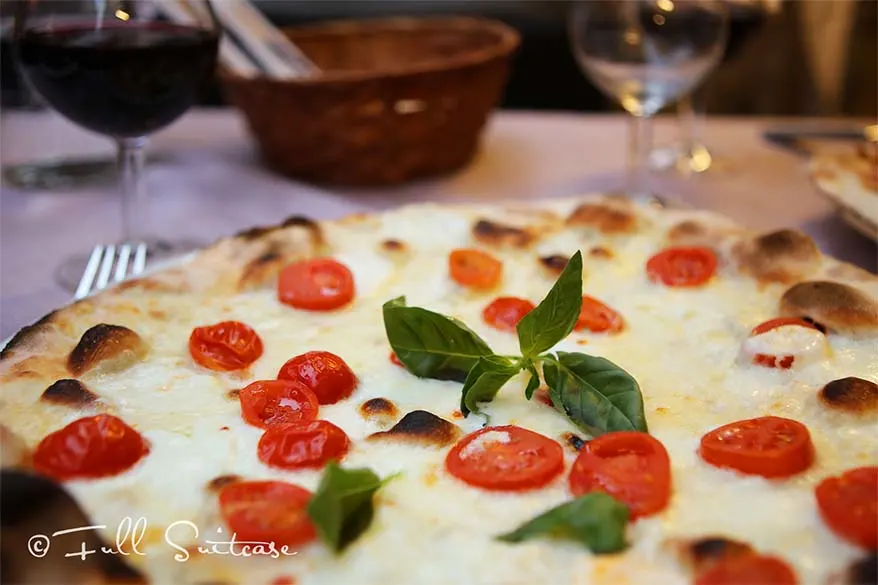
point(116, 68)
point(645, 54)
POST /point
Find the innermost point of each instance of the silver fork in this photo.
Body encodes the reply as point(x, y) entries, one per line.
point(111, 261)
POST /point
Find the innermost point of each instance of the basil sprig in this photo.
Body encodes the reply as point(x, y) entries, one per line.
point(597, 521)
point(593, 392)
point(342, 507)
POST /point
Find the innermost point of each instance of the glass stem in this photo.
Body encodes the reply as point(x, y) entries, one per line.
point(639, 147)
point(689, 122)
point(131, 173)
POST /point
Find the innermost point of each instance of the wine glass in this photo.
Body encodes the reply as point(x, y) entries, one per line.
point(115, 68)
point(690, 154)
point(645, 54)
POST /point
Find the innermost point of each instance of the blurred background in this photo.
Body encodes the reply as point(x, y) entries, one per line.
point(785, 57)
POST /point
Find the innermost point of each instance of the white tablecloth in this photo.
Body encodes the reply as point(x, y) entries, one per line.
point(214, 185)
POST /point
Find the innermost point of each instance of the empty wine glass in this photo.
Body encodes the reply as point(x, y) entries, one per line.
point(645, 54)
point(113, 67)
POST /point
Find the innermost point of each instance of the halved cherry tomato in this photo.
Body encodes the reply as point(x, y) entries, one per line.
point(781, 322)
point(319, 284)
point(394, 359)
point(849, 505)
point(682, 266)
point(631, 466)
point(748, 569)
point(229, 345)
point(324, 373)
point(769, 446)
point(542, 395)
point(295, 446)
point(597, 317)
point(474, 268)
point(90, 447)
point(504, 313)
point(505, 458)
point(267, 511)
point(272, 402)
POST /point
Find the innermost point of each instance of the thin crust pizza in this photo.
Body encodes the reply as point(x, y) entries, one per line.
point(582, 391)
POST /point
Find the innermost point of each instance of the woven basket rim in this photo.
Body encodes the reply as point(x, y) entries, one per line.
point(508, 42)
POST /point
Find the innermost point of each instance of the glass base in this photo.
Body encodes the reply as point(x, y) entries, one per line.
point(694, 159)
point(158, 253)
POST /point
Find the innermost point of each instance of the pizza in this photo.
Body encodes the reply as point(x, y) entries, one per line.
point(579, 391)
point(850, 179)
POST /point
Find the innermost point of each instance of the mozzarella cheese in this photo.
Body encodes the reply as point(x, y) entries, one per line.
point(682, 345)
point(803, 344)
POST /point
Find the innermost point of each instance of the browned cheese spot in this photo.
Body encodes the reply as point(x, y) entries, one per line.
point(837, 306)
point(601, 253)
point(233, 394)
point(497, 234)
point(378, 408)
point(221, 481)
point(421, 427)
point(851, 395)
point(781, 256)
point(700, 553)
point(554, 264)
point(69, 393)
point(687, 231)
point(103, 343)
point(605, 217)
point(573, 441)
point(393, 246)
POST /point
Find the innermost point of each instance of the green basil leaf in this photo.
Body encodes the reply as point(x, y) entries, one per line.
point(342, 508)
point(484, 381)
point(594, 393)
point(553, 319)
point(431, 345)
point(533, 383)
point(596, 520)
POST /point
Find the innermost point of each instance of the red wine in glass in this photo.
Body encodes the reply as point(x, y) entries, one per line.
point(124, 80)
point(112, 67)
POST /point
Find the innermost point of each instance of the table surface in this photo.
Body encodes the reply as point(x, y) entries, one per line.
point(212, 185)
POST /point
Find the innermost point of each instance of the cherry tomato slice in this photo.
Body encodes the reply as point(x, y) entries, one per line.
point(272, 402)
point(324, 373)
point(305, 445)
point(394, 359)
point(682, 266)
point(504, 313)
point(505, 458)
point(229, 345)
point(849, 505)
point(267, 511)
point(768, 446)
point(319, 284)
point(90, 447)
point(781, 322)
point(748, 569)
point(632, 467)
point(597, 317)
point(474, 268)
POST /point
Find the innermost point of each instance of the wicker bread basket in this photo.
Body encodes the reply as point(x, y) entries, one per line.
point(399, 99)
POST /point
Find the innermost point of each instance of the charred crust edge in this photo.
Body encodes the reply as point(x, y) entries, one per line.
point(25, 334)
